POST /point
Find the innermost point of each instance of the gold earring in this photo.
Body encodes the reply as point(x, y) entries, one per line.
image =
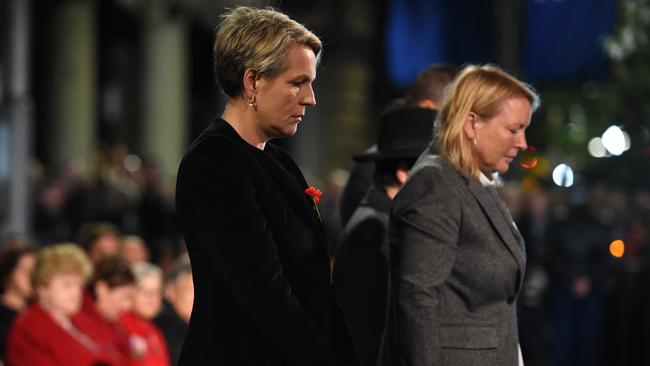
point(252, 101)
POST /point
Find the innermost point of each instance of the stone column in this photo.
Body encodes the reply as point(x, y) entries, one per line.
point(72, 94)
point(165, 92)
point(16, 123)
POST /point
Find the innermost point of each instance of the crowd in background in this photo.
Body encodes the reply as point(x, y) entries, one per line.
point(104, 278)
point(124, 190)
point(584, 300)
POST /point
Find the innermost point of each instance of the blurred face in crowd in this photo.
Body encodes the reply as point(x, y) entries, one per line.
point(105, 246)
point(282, 99)
point(20, 281)
point(113, 302)
point(148, 296)
point(499, 139)
point(63, 294)
point(133, 250)
point(180, 294)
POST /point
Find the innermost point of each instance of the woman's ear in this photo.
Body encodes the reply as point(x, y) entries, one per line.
point(250, 83)
point(470, 125)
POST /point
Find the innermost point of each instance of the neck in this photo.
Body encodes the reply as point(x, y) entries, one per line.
point(13, 301)
point(241, 117)
point(103, 312)
point(178, 310)
point(59, 316)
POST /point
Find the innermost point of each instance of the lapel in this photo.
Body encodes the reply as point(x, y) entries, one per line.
point(499, 219)
point(290, 181)
point(282, 171)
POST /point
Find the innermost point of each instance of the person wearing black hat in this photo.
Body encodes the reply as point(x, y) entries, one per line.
point(361, 278)
point(425, 96)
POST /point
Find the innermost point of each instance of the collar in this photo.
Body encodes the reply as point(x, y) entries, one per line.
point(377, 198)
point(485, 181)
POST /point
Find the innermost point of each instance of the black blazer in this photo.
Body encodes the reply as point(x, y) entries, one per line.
point(361, 275)
point(261, 272)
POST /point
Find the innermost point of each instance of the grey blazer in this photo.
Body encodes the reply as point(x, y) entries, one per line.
point(457, 263)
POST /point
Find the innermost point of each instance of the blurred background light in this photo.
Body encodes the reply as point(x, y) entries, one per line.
point(132, 163)
point(617, 248)
point(596, 148)
point(528, 158)
point(563, 175)
point(614, 140)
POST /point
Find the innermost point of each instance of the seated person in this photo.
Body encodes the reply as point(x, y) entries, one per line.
point(179, 298)
point(134, 249)
point(108, 296)
point(100, 240)
point(46, 334)
point(16, 266)
point(147, 343)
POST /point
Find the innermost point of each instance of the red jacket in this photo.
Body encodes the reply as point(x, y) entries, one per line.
point(147, 344)
point(35, 338)
point(111, 336)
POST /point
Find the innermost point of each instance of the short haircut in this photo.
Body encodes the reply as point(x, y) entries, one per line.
point(478, 89)
point(181, 266)
point(430, 84)
point(257, 39)
point(64, 258)
point(144, 269)
point(9, 259)
point(115, 272)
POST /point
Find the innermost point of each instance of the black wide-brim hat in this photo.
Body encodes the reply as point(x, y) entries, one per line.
point(403, 133)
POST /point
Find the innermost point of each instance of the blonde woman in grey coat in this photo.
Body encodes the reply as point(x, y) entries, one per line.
point(457, 258)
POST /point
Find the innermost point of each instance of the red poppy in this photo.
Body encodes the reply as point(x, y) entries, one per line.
point(314, 193)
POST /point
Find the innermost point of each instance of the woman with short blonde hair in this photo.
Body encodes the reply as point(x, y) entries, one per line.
point(46, 333)
point(60, 259)
point(256, 39)
point(253, 232)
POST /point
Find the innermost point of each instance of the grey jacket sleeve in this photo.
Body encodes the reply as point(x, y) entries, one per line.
point(425, 225)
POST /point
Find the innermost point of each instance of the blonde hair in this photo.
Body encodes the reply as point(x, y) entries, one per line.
point(257, 39)
point(63, 258)
point(478, 89)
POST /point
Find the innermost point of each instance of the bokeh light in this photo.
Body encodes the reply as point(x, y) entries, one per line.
point(614, 140)
point(563, 175)
point(529, 184)
point(596, 148)
point(628, 142)
point(617, 248)
point(528, 158)
point(132, 163)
